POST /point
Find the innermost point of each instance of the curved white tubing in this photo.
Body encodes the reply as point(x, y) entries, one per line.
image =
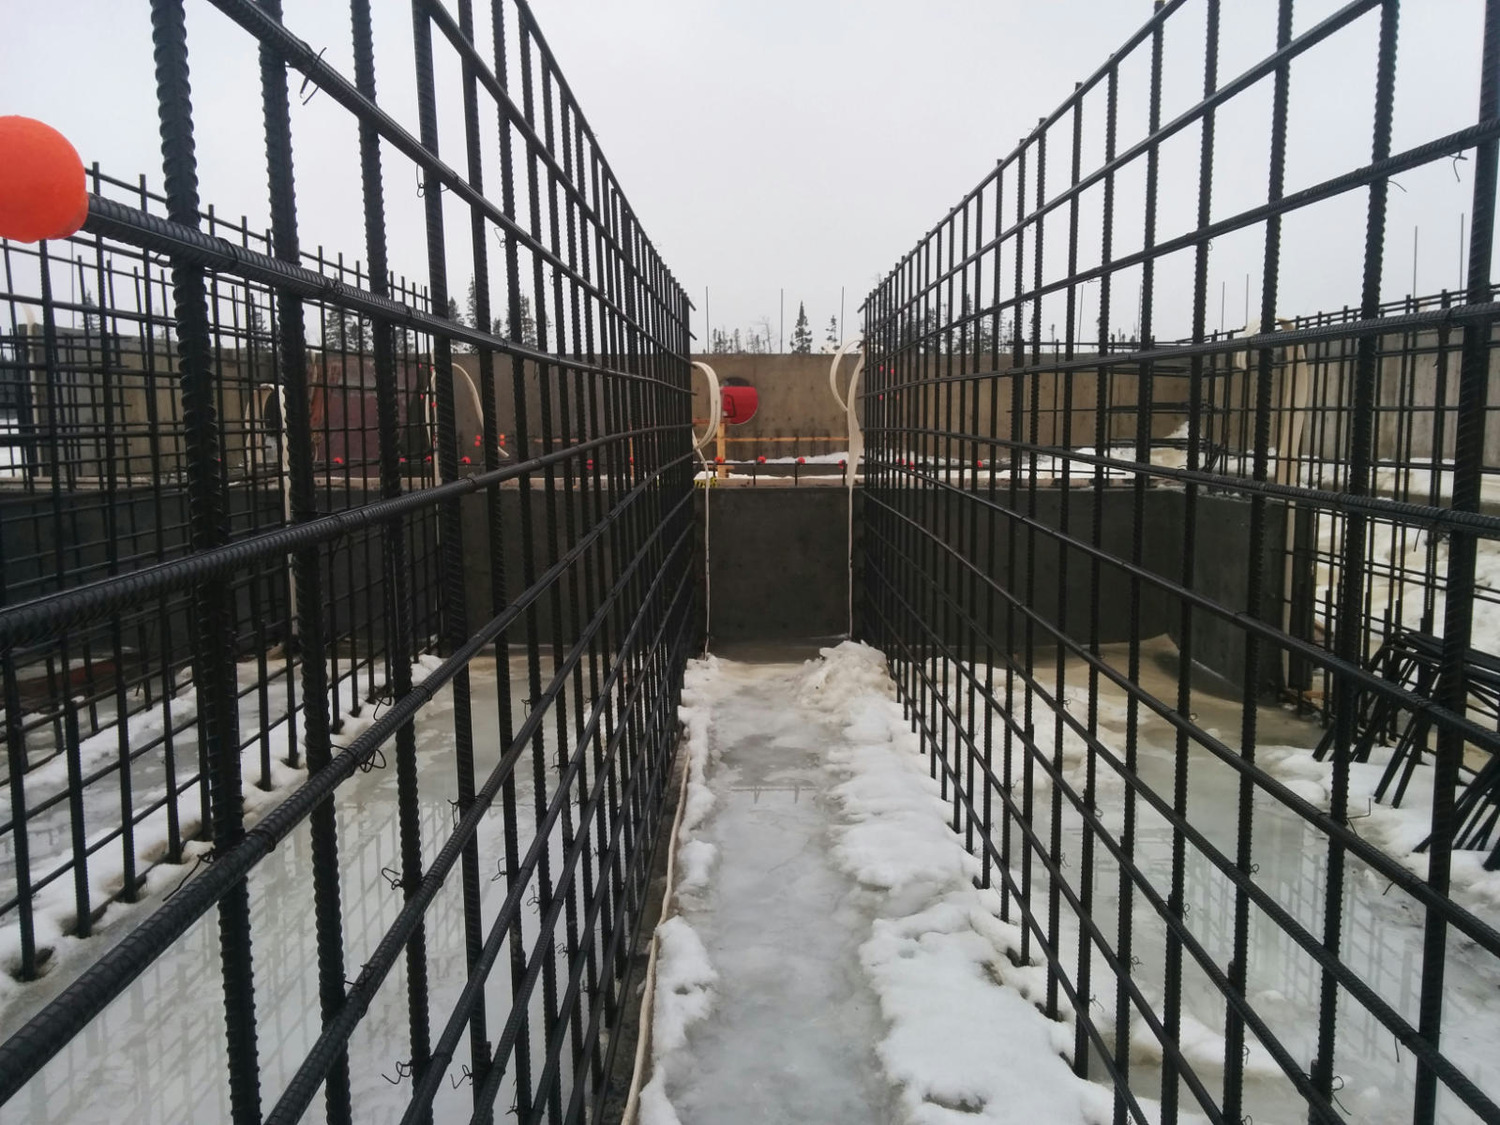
point(849, 402)
point(715, 417)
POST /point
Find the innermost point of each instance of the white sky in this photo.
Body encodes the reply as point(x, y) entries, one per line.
point(805, 144)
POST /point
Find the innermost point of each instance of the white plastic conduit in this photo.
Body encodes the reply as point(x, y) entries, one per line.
point(715, 417)
point(856, 445)
point(648, 996)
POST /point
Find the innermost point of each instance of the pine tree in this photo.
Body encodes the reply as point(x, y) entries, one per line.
point(801, 333)
point(457, 318)
point(91, 323)
point(528, 324)
point(976, 330)
point(347, 332)
point(833, 340)
point(257, 329)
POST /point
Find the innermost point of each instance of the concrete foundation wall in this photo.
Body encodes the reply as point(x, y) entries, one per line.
point(778, 562)
point(778, 558)
point(795, 402)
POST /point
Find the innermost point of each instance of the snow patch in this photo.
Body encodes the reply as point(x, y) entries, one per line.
point(1399, 832)
point(695, 860)
point(942, 958)
point(54, 908)
point(700, 686)
point(684, 982)
point(684, 974)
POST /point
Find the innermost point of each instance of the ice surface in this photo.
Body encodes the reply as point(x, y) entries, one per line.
point(169, 726)
point(793, 1024)
point(856, 973)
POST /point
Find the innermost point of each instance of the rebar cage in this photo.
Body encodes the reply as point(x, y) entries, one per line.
point(1121, 575)
point(259, 527)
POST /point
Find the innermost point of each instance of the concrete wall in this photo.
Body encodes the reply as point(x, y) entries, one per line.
point(779, 574)
point(1416, 395)
point(795, 402)
point(778, 556)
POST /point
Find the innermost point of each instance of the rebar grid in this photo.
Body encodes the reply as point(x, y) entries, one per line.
point(234, 499)
point(1296, 505)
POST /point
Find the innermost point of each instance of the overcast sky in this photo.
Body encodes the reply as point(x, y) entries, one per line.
point(803, 144)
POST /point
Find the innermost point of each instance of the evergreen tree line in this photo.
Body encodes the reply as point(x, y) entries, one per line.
point(350, 332)
point(760, 338)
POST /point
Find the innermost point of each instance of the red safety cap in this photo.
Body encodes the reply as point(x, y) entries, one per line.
point(43, 192)
point(739, 404)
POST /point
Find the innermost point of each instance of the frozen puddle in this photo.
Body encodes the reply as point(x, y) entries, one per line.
point(793, 1020)
point(831, 960)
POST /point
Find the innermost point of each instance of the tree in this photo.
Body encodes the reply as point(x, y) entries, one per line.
point(801, 333)
point(345, 331)
point(761, 336)
point(832, 339)
point(977, 330)
point(497, 324)
point(473, 303)
point(457, 318)
point(91, 322)
point(528, 324)
point(258, 332)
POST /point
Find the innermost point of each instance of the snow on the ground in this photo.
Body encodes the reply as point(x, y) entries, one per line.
point(840, 959)
point(967, 1037)
point(1400, 558)
point(54, 907)
point(684, 995)
point(156, 1055)
point(837, 457)
point(1398, 831)
point(944, 965)
point(685, 978)
point(684, 974)
point(791, 1023)
point(1383, 929)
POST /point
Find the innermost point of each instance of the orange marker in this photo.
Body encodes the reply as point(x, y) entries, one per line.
point(42, 189)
